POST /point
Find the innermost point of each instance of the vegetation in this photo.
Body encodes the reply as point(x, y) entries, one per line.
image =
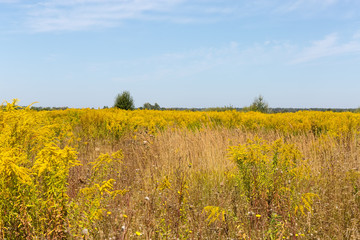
point(149, 106)
point(221, 109)
point(124, 101)
point(259, 105)
point(114, 174)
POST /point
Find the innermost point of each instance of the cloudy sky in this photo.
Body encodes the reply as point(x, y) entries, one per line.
point(181, 53)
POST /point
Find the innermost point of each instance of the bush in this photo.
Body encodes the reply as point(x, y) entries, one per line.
point(259, 105)
point(149, 106)
point(124, 101)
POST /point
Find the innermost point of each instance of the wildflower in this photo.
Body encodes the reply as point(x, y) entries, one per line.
point(250, 213)
point(147, 198)
point(123, 228)
point(85, 231)
point(258, 215)
point(138, 233)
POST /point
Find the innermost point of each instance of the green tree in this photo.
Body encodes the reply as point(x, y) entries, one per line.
point(149, 106)
point(156, 106)
point(259, 105)
point(124, 101)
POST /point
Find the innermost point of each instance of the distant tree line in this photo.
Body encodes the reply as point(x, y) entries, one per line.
point(125, 101)
point(149, 106)
point(48, 108)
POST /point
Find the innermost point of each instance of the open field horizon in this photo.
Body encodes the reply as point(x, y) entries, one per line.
point(181, 53)
point(179, 119)
point(147, 174)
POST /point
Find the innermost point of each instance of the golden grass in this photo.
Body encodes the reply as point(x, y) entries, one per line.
point(181, 180)
point(198, 165)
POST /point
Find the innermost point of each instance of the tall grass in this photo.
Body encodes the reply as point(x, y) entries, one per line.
point(79, 175)
point(187, 185)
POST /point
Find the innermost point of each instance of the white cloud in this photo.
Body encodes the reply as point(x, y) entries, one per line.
point(71, 15)
point(77, 15)
point(329, 46)
point(294, 5)
point(74, 15)
point(9, 1)
point(180, 66)
point(55, 15)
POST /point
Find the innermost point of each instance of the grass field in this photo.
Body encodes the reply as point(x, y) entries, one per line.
point(113, 174)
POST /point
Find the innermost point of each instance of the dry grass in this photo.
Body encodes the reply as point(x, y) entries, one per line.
point(173, 176)
point(83, 174)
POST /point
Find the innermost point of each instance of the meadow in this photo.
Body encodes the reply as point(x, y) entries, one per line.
point(148, 174)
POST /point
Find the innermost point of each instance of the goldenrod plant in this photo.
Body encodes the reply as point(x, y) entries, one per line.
point(149, 174)
point(89, 208)
point(272, 177)
point(33, 176)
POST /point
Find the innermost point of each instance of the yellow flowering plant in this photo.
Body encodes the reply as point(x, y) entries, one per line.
point(271, 175)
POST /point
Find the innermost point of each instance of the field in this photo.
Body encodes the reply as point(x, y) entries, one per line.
point(146, 174)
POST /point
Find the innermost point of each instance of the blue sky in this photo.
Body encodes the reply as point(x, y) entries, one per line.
point(181, 53)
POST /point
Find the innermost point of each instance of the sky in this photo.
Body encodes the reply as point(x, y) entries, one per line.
point(181, 53)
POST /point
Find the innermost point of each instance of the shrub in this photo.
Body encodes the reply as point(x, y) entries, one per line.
point(259, 105)
point(124, 101)
point(149, 106)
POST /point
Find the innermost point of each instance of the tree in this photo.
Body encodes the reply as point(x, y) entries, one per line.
point(151, 107)
point(147, 106)
point(259, 105)
point(124, 101)
point(156, 106)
